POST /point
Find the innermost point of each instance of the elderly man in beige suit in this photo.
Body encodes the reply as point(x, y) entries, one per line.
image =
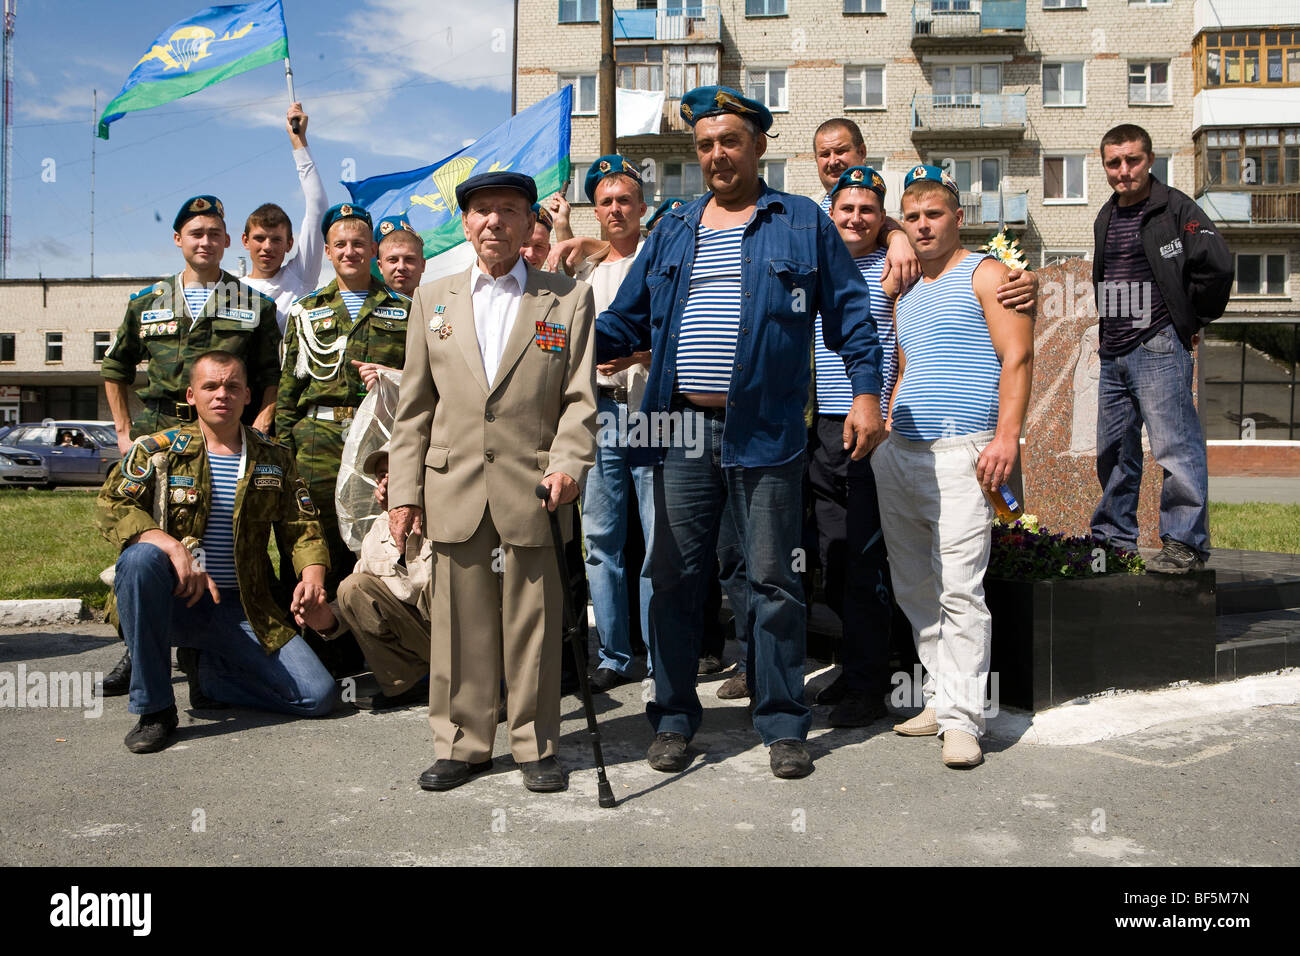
point(497, 397)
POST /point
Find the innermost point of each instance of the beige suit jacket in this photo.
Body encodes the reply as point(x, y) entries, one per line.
point(461, 443)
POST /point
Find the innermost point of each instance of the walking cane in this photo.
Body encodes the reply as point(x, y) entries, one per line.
point(603, 789)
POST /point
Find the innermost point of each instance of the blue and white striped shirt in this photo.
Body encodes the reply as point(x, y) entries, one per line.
point(951, 372)
point(834, 391)
point(354, 301)
point(706, 349)
point(219, 534)
point(196, 299)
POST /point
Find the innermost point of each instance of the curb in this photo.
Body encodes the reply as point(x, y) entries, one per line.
point(41, 611)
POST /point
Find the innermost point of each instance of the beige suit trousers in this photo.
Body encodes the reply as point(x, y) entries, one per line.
point(494, 602)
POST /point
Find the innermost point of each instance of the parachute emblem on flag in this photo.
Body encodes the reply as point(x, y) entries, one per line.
point(188, 45)
point(450, 175)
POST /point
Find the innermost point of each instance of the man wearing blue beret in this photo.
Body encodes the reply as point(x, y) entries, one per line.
point(400, 251)
point(732, 282)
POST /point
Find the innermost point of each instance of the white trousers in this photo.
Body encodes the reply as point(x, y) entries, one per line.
point(936, 523)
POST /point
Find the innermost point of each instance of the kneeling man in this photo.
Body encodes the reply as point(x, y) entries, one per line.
point(192, 510)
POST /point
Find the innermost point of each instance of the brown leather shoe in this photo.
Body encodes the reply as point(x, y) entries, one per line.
point(734, 688)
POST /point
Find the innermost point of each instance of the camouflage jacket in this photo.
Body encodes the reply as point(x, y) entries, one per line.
point(158, 327)
point(164, 482)
point(317, 323)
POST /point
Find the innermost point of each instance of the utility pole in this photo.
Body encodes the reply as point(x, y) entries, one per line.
point(608, 98)
point(94, 119)
point(6, 134)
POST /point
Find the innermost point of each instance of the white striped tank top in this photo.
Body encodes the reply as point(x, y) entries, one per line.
point(834, 390)
point(950, 375)
point(353, 301)
point(219, 534)
point(706, 348)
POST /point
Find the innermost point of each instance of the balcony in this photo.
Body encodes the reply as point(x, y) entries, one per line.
point(935, 22)
point(685, 24)
point(1243, 209)
point(983, 211)
point(1230, 14)
point(982, 114)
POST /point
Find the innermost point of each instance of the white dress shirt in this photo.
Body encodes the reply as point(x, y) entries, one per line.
point(496, 303)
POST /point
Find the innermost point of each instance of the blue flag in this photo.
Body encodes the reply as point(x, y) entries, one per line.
point(213, 45)
point(534, 142)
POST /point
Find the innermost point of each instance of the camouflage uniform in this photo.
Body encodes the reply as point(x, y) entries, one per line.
point(377, 335)
point(158, 326)
point(164, 482)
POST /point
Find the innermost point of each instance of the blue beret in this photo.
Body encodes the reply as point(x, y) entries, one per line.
point(608, 166)
point(390, 224)
point(672, 202)
point(198, 206)
point(863, 177)
point(543, 216)
point(497, 180)
point(344, 210)
point(711, 100)
point(931, 174)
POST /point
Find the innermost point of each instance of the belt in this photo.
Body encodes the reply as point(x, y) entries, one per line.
point(332, 413)
point(182, 410)
point(617, 392)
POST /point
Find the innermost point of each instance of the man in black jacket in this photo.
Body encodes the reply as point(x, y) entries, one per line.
point(1162, 272)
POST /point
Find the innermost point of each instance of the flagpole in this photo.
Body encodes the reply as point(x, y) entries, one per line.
point(94, 118)
point(288, 78)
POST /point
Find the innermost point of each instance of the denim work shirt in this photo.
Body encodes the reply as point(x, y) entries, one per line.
point(795, 265)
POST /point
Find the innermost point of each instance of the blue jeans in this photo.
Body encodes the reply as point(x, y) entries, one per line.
point(604, 527)
point(234, 667)
point(1153, 385)
point(691, 493)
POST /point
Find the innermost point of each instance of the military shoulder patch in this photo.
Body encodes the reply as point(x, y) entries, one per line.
point(130, 487)
point(305, 504)
point(182, 442)
point(158, 441)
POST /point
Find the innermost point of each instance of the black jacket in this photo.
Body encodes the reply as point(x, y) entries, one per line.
point(1188, 257)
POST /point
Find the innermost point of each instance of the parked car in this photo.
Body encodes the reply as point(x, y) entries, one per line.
point(21, 467)
point(74, 452)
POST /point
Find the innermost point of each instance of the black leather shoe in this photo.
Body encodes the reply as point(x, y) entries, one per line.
point(187, 659)
point(544, 776)
point(710, 664)
point(118, 681)
point(606, 679)
point(380, 701)
point(668, 753)
point(790, 759)
point(153, 732)
point(449, 774)
point(834, 692)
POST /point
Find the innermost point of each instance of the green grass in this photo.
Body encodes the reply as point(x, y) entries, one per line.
point(1255, 527)
point(49, 547)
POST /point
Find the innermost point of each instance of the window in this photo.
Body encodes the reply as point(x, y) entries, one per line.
point(1162, 170)
point(1063, 4)
point(772, 172)
point(578, 11)
point(54, 346)
point(689, 67)
point(1261, 273)
point(1148, 83)
point(8, 346)
point(1248, 58)
point(1052, 257)
point(1063, 84)
point(1252, 157)
point(768, 87)
point(584, 91)
point(974, 174)
point(1063, 179)
point(577, 193)
point(764, 8)
point(957, 84)
point(683, 179)
point(864, 87)
point(102, 341)
point(640, 67)
point(864, 6)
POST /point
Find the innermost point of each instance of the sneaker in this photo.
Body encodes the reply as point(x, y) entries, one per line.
point(734, 688)
point(961, 749)
point(857, 710)
point(1175, 558)
point(667, 753)
point(924, 724)
point(790, 759)
point(153, 732)
point(710, 664)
